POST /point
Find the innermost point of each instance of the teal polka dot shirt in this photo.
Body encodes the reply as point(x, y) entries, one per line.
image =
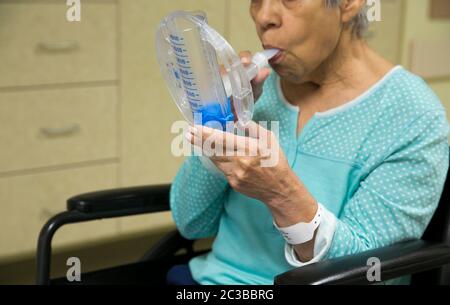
point(376, 165)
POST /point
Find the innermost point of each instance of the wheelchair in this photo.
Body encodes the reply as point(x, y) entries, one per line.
point(427, 260)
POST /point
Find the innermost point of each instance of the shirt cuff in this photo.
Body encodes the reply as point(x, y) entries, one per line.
point(324, 237)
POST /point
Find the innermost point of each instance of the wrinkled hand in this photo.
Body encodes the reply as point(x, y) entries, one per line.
point(256, 166)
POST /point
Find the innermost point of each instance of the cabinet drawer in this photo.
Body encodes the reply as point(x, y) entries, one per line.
point(27, 202)
point(39, 46)
point(53, 127)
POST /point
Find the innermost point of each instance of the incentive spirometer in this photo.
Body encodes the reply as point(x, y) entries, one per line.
point(203, 73)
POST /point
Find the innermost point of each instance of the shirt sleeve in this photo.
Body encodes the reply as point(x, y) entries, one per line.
point(397, 199)
point(324, 236)
point(197, 198)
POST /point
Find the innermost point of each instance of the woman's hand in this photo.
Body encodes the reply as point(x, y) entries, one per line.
point(257, 167)
point(258, 81)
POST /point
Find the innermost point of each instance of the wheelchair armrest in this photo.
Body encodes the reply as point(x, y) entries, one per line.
point(98, 205)
point(396, 261)
point(123, 201)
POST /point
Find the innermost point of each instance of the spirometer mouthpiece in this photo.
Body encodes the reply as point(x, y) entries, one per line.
point(259, 61)
point(204, 74)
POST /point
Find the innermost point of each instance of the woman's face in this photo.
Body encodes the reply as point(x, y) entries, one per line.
point(306, 31)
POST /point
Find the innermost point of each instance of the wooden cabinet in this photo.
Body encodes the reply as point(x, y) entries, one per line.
point(29, 200)
point(58, 118)
point(55, 127)
point(39, 46)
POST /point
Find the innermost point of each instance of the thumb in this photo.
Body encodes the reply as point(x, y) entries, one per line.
point(246, 57)
point(262, 75)
point(258, 82)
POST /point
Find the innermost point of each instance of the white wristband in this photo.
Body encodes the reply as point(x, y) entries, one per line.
point(301, 232)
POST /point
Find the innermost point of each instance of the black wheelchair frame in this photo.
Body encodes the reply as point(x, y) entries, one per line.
point(427, 259)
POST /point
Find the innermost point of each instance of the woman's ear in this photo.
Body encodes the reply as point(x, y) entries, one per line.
point(350, 9)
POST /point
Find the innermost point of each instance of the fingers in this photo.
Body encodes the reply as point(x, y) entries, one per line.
point(209, 139)
point(262, 76)
point(215, 142)
point(264, 138)
point(225, 148)
point(246, 57)
point(254, 130)
point(258, 82)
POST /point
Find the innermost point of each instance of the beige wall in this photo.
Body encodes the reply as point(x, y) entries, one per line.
point(418, 26)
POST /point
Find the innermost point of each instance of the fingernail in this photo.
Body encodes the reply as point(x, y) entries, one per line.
point(188, 136)
point(193, 130)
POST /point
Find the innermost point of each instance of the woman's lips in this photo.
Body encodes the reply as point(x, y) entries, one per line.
point(277, 58)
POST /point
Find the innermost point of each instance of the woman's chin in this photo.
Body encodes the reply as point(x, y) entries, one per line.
point(280, 70)
point(289, 75)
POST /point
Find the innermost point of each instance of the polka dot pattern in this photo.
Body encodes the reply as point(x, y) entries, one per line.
point(397, 133)
point(396, 200)
point(196, 198)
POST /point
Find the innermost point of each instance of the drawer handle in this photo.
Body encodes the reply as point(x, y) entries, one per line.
point(62, 46)
point(61, 131)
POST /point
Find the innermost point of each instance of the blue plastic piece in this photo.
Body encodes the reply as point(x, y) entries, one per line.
point(212, 112)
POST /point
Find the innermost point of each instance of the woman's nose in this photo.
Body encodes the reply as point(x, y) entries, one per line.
point(268, 14)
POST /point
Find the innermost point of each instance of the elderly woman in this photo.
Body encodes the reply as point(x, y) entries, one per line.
point(363, 153)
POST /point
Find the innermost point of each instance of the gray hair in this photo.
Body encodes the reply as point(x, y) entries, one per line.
point(359, 24)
